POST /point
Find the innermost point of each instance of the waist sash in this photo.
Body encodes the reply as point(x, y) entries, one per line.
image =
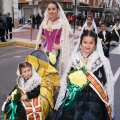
point(98, 88)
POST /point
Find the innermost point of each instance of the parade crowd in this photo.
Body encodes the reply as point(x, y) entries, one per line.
point(60, 80)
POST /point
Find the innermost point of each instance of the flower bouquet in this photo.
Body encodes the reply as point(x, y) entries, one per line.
point(77, 82)
point(52, 58)
point(103, 45)
point(11, 108)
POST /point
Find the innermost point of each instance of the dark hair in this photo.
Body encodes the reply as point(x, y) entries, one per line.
point(55, 3)
point(90, 17)
point(89, 33)
point(8, 13)
point(24, 65)
point(103, 23)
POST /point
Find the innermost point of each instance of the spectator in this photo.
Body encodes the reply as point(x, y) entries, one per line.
point(9, 26)
point(79, 19)
point(38, 20)
point(3, 26)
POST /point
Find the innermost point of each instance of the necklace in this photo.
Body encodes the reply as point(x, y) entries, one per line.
point(85, 59)
point(54, 19)
point(49, 27)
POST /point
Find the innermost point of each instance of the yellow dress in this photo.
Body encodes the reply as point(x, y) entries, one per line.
point(49, 85)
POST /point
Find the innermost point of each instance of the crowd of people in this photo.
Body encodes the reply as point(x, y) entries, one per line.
point(76, 83)
point(6, 25)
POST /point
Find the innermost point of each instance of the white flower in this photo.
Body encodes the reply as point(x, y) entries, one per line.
point(13, 93)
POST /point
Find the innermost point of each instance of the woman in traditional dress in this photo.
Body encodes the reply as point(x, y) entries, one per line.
point(88, 93)
point(115, 34)
point(54, 33)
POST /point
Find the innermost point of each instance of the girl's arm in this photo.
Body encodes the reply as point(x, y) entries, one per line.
point(8, 96)
point(34, 93)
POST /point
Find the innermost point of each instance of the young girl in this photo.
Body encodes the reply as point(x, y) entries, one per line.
point(23, 102)
point(86, 97)
point(54, 33)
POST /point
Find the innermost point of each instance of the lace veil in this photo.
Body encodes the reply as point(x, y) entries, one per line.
point(109, 75)
point(66, 40)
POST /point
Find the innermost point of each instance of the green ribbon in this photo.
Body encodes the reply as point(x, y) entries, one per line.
point(84, 70)
point(2, 117)
point(12, 107)
point(73, 91)
point(71, 96)
point(104, 47)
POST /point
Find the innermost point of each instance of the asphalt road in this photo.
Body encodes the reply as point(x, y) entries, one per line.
point(11, 56)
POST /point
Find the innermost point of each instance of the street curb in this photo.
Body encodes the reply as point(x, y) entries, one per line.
point(17, 43)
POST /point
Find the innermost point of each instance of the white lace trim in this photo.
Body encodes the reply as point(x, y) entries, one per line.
point(30, 84)
point(54, 26)
point(93, 64)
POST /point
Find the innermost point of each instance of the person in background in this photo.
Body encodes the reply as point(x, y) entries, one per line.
point(38, 20)
point(115, 34)
point(9, 26)
point(105, 37)
point(3, 27)
point(89, 25)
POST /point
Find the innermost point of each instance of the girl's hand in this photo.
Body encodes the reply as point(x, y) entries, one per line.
point(56, 47)
point(24, 97)
point(8, 99)
point(106, 43)
point(39, 45)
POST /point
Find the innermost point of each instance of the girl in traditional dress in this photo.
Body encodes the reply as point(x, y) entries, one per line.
point(54, 33)
point(86, 96)
point(115, 34)
point(89, 25)
point(23, 103)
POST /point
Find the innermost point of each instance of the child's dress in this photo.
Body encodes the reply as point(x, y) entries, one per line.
point(29, 109)
point(85, 98)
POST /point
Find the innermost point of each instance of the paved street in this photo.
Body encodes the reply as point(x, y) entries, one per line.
point(11, 56)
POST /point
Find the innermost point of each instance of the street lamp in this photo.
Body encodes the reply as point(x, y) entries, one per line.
point(75, 11)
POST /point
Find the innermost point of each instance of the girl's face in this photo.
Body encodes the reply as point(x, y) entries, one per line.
point(52, 10)
point(26, 72)
point(87, 45)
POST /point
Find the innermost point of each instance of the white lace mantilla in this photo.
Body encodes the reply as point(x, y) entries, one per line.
point(54, 26)
point(29, 84)
point(94, 62)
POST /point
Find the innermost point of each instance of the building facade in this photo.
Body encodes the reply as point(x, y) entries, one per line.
point(25, 7)
point(10, 6)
